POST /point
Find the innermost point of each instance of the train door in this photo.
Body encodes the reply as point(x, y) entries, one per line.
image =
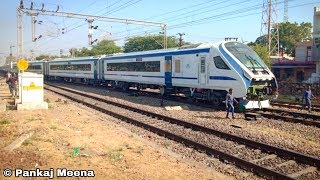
point(202, 71)
point(101, 70)
point(168, 71)
point(95, 70)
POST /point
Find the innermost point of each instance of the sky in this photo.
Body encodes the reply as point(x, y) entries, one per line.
point(199, 20)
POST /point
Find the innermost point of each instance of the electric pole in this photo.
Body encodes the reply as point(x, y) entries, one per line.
point(269, 26)
point(180, 38)
point(11, 55)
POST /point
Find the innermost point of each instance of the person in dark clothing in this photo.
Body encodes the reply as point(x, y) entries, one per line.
point(8, 76)
point(307, 96)
point(13, 86)
point(229, 103)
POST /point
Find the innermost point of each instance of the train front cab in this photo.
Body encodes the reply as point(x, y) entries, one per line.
point(259, 81)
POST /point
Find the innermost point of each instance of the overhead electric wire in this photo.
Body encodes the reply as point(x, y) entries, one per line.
point(210, 18)
point(114, 10)
point(238, 11)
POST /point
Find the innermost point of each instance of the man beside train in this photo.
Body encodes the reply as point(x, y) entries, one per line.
point(229, 103)
point(307, 95)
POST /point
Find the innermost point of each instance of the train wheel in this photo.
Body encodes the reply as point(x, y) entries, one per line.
point(216, 102)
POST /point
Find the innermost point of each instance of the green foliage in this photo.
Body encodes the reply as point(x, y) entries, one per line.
point(262, 51)
point(47, 57)
point(151, 42)
point(289, 35)
point(103, 47)
point(4, 122)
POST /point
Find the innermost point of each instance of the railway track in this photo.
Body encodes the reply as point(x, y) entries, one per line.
point(290, 116)
point(262, 159)
point(294, 105)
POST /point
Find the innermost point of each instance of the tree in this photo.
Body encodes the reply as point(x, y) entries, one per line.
point(289, 35)
point(151, 42)
point(105, 47)
point(46, 57)
point(262, 51)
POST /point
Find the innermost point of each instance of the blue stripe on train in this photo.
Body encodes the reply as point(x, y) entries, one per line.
point(221, 78)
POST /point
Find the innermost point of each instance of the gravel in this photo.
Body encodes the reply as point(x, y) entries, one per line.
point(288, 135)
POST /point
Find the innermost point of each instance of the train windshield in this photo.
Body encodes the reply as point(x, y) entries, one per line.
point(246, 55)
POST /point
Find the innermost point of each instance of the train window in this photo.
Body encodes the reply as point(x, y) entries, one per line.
point(220, 64)
point(34, 67)
point(203, 65)
point(177, 65)
point(147, 66)
point(72, 67)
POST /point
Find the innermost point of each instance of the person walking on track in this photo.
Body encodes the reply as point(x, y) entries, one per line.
point(229, 103)
point(307, 96)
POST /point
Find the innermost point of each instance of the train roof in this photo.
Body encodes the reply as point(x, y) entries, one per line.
point(74, 59)
point(195, 47)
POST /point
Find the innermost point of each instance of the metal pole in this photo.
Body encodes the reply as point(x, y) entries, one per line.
point(164, 28)
point(33, 19)
point(11, 55)
point(269, 27)
point(19, 33)
point(90, 30)
point(180, 38)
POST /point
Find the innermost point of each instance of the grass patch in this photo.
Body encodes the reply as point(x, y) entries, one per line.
point(5, 121)
point(127, 146)
point(139, 150)
point(33, 118)
point(167, 144)
point(74, 153)
point(47, 100)
point(27, 142)
point(53, 127)
point(115, 154)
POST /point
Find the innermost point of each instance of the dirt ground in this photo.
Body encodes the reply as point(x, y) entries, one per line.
point(69, 135)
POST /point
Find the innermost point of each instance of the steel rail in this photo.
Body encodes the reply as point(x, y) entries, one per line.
point(293, 113)
point(249, 166)
point(293, 103)
point(307, 159)
point(295, 106)
point(285, 118)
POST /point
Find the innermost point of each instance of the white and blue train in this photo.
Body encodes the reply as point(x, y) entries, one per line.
point(204, 71)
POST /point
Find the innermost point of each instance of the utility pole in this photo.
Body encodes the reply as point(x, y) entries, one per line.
point(11, 55)
point(269, 26)
point(90, 31)
point(20, 30)
point(180, 38)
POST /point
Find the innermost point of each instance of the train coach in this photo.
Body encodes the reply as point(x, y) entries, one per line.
point(204, 71)
point(201, 71)
point(80, 70)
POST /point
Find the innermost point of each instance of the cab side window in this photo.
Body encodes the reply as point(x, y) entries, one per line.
point(220, 64)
